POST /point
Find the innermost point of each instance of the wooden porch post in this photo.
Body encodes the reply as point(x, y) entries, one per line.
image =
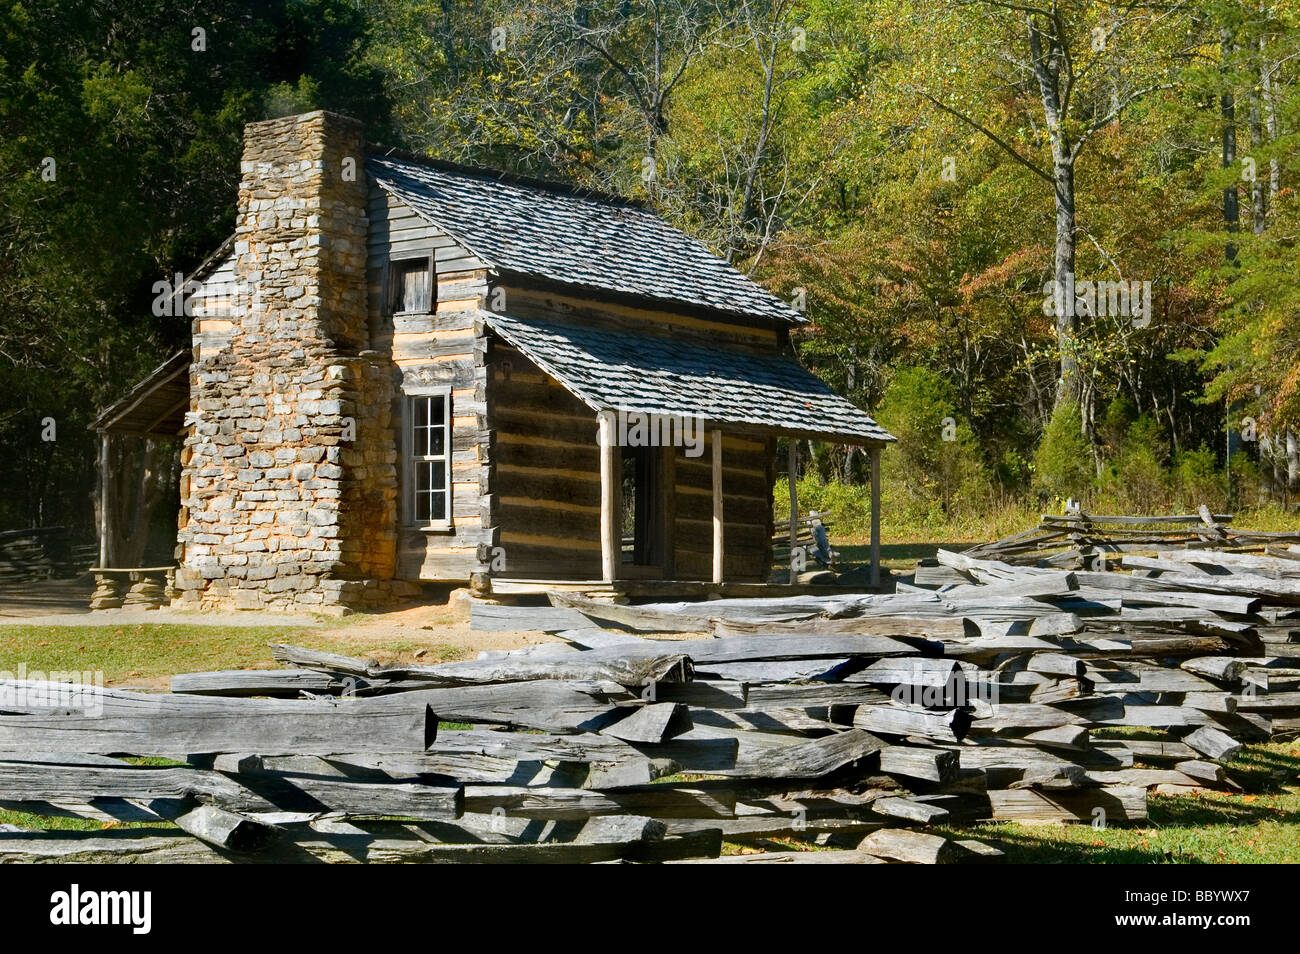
point(875, 515)
point(792, 475)
point(717, 506)
point(610, 525)
point(105, 526)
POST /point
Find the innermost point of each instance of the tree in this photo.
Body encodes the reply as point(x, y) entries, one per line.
point(120, 135)
point(1087, 66)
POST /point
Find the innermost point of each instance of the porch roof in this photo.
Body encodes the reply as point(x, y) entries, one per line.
point(611, 370)
point(156, 406)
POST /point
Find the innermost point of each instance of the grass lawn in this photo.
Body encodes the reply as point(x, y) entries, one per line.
point(141, 651)
point(1260, 824)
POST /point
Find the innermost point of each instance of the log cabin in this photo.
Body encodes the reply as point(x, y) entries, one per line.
point(407, 371)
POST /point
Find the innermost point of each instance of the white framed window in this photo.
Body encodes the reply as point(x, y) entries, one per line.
point(427, 450)
point(411, 288)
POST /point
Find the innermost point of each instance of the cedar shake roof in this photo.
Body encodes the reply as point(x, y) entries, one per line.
point(620, 371)
point(154, 407)
point(561, 234)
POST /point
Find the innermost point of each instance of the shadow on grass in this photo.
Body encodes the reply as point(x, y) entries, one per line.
point(1213, 809)
point(1030, 848)
point(1212, 819)
point(1264, 770)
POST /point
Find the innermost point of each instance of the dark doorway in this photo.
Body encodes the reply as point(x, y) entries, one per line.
point(643, 517)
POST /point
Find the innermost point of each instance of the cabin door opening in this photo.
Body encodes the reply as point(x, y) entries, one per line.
point(642, 512)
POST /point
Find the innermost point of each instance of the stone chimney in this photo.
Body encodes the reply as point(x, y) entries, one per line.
point(288, 484)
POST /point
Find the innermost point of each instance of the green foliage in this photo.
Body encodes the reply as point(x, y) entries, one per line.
point(119, 164)
point(1014, 471)
point(1114, 425)
point(1246, 480)
point(837, 167)
point(936, 459)
point(1063, 463)
point(289, 99)
point(1136, 478)
point(1198, 478)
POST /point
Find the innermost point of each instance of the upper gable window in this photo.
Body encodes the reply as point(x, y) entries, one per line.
point(411, 284)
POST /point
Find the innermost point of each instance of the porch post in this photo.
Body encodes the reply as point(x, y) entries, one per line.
point(792, 475)
point(717, 506)
point(105, 527)
point(610, 525)
point(875, 515)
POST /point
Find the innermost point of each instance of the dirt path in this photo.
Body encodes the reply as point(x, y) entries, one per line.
point(426, 633)
point(440, 632)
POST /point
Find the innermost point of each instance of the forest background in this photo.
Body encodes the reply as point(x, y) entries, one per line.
point(1050, 245)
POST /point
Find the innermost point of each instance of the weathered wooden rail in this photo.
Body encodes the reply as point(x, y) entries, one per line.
point(854, 721)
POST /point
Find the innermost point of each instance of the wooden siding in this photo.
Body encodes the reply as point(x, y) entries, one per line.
point(545, 481)
point(747, 473)
point(545, 486)
point(442, 349)
point(215, 308)
point(537, 303)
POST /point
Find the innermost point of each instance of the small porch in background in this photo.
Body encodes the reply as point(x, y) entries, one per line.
point(138, 470)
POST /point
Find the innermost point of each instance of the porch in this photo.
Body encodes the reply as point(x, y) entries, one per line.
point(731, 406)
point(138, 468)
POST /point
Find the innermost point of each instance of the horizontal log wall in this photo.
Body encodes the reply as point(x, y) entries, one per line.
point(215, 308)
point(547, 481)
point(746, 511)
point(444, 349)
point(536, 303)
point(545, 500)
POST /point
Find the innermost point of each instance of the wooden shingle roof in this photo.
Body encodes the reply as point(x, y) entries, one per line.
point(613, 370)
point(154, 407)
point(574, 237)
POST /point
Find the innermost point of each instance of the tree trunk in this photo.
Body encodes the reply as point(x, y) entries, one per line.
point(1070, 388)
point(1046, 66)
point(1258, 200)
point(1228, 112)
point(1270, 121)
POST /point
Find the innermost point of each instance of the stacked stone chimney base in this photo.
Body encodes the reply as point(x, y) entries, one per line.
point(288, 472)
point(324, 596)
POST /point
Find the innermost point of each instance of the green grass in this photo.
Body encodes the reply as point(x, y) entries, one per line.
point(1258, 825)
point(905, 521)
point(1209, 828)
point(139, 651)
point(145, 651)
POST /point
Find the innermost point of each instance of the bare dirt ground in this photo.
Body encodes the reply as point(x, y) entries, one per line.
point(440, 631)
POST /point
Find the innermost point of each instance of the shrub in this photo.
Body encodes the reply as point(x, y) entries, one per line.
point(1246, 480)
point(1198, 479)
point(1013, 471)
point(1137, 479)
point(1063, 464)
point(1114, 425)
point(936, 459)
